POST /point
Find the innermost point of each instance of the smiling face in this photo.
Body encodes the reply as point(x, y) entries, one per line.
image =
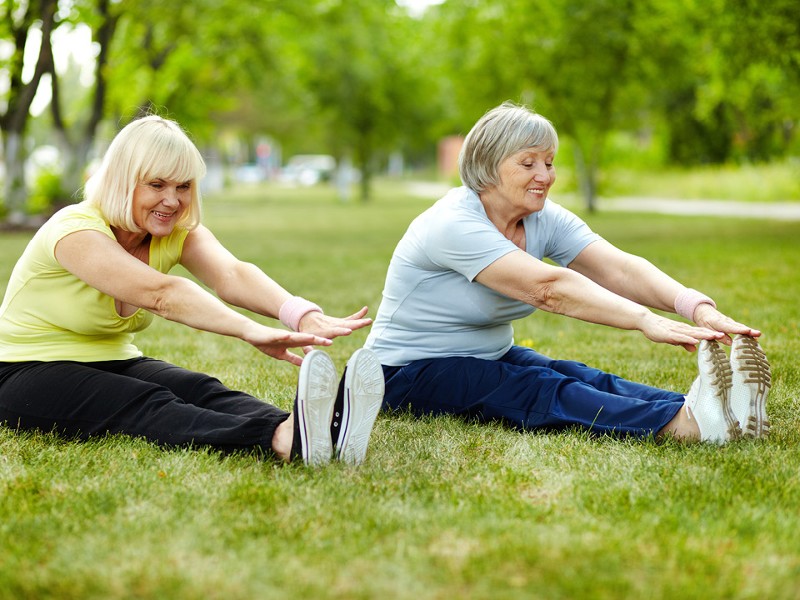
point(159, 203)
point(525, 180)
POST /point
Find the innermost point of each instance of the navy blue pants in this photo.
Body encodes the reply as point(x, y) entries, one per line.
point(140, 397)
point(529, 390)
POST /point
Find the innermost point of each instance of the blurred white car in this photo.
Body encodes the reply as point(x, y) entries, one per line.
point(308, 169)
point(250, 173)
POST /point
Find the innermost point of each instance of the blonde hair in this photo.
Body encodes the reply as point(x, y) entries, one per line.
point(145, 149)
point(501, 132)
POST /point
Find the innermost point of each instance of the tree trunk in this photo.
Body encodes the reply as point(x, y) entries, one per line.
point(76, 153)
point(13, 123)
point(366, 183)
point(14, 189)
point(587, 177)
point(364, 160)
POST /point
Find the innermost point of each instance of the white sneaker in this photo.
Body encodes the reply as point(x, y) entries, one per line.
point(313, 408)
point(709, 397)
point(360, 399)
point(751, 383)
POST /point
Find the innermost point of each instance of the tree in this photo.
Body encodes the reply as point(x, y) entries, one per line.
point(365, 78)
point(142, 64)
point(19, 19)
point(77, 136)
point(754, 72)
point(590, 64)
point(569, 59)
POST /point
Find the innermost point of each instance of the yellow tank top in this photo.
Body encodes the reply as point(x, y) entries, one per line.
point(49, 314)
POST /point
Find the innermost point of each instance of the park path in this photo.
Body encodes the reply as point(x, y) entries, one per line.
point(781, 211)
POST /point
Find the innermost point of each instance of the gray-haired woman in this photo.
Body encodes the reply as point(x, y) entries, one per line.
point(97, 272)
point(473, 263)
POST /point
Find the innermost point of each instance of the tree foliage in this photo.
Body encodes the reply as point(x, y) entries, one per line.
point(366, 79)
point(713, 81)
point(569, 59)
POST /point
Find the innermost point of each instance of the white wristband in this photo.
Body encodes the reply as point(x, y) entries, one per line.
point(294, 309)
point(688, 300)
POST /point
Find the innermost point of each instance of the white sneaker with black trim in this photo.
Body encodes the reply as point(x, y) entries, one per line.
point(751, 383)
point(709, 397)
point(313, 408)
point(360, 398)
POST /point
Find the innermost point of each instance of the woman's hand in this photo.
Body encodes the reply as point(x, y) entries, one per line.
point(333, 327)
point(709, 317)
point(661, 329)
point(277, 342)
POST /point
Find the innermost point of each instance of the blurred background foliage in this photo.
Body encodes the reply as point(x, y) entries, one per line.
point(647, 85)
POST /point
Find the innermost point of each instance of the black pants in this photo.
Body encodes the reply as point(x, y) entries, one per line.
point(140, 397)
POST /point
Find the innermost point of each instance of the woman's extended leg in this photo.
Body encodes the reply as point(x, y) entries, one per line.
point(526, 396)
point(83, 400)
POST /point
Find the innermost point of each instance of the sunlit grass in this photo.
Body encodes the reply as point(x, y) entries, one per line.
point(442, 508)
point(776, 182)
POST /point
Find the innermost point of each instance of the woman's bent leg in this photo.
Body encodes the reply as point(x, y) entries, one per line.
point(80, 400)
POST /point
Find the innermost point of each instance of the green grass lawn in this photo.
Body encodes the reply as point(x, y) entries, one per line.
point(442, 508)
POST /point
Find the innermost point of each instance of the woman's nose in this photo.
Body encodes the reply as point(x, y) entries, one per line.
point(171, 196)
point(541, 175)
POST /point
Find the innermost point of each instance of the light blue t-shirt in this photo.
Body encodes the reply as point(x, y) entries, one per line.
point(431, 306)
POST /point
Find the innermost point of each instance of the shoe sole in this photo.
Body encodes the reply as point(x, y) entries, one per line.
point(721, 382)
point(316, 393)
point(363, 395)
point(752, 380)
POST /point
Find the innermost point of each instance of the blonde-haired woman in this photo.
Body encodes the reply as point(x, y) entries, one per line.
point(97, 272)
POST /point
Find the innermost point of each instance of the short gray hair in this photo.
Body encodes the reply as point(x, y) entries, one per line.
point(501, 132)
point(148, 148)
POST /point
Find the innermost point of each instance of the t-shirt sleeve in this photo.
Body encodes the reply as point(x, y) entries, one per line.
point(466, 244)
point(58, 229)
point(568, 235)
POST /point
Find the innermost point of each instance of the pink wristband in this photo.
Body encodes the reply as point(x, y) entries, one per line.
point(294, 309)
point(688, 300)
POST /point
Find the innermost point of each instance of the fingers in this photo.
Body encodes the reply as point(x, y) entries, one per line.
point(689, 343)
point(357, 315)
point(292, 358)
point(354, 324)
point(345, 327)
point(677, 333)
point(720, 322)
point(302, 340)
point(340, 331)
point(334, 326)
point(690, 339)
point(279, 345)
point(695, 333)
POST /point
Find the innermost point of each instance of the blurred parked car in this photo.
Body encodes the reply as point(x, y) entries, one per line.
point(308, 169)
point(250, 173)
